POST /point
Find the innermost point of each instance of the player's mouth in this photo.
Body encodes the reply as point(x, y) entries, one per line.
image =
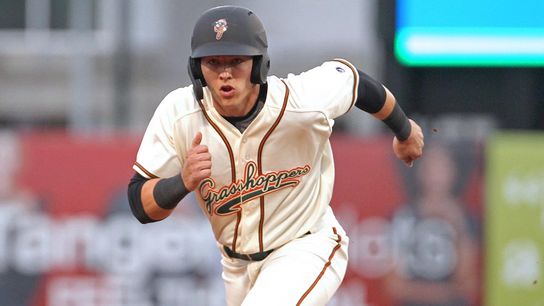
point(227, 91)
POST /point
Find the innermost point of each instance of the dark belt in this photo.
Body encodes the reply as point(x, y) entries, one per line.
point(250, 257)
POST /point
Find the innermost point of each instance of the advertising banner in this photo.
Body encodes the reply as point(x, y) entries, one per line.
point(67, 236)
point(415, 232)
point(515, 220)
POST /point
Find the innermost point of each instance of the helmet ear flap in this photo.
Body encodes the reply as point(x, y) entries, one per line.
point(259, 71)
point(195, 70)
point(196, 76)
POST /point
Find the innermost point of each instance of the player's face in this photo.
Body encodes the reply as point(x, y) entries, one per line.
point(228, 78)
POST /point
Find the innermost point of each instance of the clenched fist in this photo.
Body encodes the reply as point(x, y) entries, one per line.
point(198, 164)
point(411, 148)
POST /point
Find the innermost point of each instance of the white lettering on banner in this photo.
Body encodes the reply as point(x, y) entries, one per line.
point(130, 264)
point(176, 291)
point(89, 291)
point(426, 247)
point(34, 243)
point(524, 189)
point(521, 263)
point(77, 234)
point(31, 246)
point(371, 249)
point(133, 291)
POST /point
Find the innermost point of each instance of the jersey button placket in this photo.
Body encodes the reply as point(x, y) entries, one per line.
point(242, 159)
point(246, 156)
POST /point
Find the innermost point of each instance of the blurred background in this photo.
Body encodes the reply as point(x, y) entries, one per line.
point(80, 79)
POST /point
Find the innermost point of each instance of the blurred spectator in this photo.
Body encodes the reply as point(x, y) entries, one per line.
point(434, 241)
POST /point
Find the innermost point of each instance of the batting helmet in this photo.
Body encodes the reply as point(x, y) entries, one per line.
point(228, 30)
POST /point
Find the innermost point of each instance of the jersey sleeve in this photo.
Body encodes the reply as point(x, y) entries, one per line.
point(157, 155)
point(330, 88)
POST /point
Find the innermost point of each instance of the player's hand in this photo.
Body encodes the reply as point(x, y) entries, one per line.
point(411, 148)
point(198, 164)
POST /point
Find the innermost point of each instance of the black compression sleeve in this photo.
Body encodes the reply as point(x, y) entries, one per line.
point(370, 94)
point(135, 200)
point(371, 98)
point(168, 192)
point(398, 123)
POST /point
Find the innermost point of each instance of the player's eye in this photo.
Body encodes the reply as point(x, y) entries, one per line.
point(213, 62)
point(237, 61)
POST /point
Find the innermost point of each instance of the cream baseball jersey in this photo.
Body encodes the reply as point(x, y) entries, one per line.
point(271, 183)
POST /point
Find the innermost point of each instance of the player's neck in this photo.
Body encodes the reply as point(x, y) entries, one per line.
point(241, 108)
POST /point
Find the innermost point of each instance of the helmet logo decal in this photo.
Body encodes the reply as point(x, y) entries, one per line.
point(220, 27)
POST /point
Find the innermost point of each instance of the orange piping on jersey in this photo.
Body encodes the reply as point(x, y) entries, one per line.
point(327, 264)
point(238, 219)
point(260, 164)
point(225, 140)
point(355, 79)
point(144, 170)
point(232, 168)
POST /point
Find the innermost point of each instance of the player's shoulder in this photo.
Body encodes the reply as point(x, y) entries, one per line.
point(330, 73)
point(178, 103)
point(328, 69)
point(315, 86)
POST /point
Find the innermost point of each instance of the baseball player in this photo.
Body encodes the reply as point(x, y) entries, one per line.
point(255, 150)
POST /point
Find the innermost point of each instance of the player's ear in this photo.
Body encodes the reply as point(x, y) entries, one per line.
point(196, 76)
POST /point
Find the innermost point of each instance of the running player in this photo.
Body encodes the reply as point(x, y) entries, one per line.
point(255, 150)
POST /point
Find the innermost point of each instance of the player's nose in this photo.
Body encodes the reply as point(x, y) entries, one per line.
point(225, 74)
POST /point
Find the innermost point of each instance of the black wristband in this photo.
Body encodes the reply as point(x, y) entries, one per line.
point(169, 192)
point(398, 123)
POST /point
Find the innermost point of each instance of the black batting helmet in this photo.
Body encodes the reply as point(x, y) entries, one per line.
point(228, 30)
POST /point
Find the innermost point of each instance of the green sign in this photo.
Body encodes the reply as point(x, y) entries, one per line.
point(515, 220)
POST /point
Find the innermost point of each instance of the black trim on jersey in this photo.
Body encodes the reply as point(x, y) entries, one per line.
point(235, 119)
point(169, 192)
point(241, 123)
point(261, 98)
point(135, 199)
point(370, 94)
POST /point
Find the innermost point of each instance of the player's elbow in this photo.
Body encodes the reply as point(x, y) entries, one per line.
point(135, 200)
